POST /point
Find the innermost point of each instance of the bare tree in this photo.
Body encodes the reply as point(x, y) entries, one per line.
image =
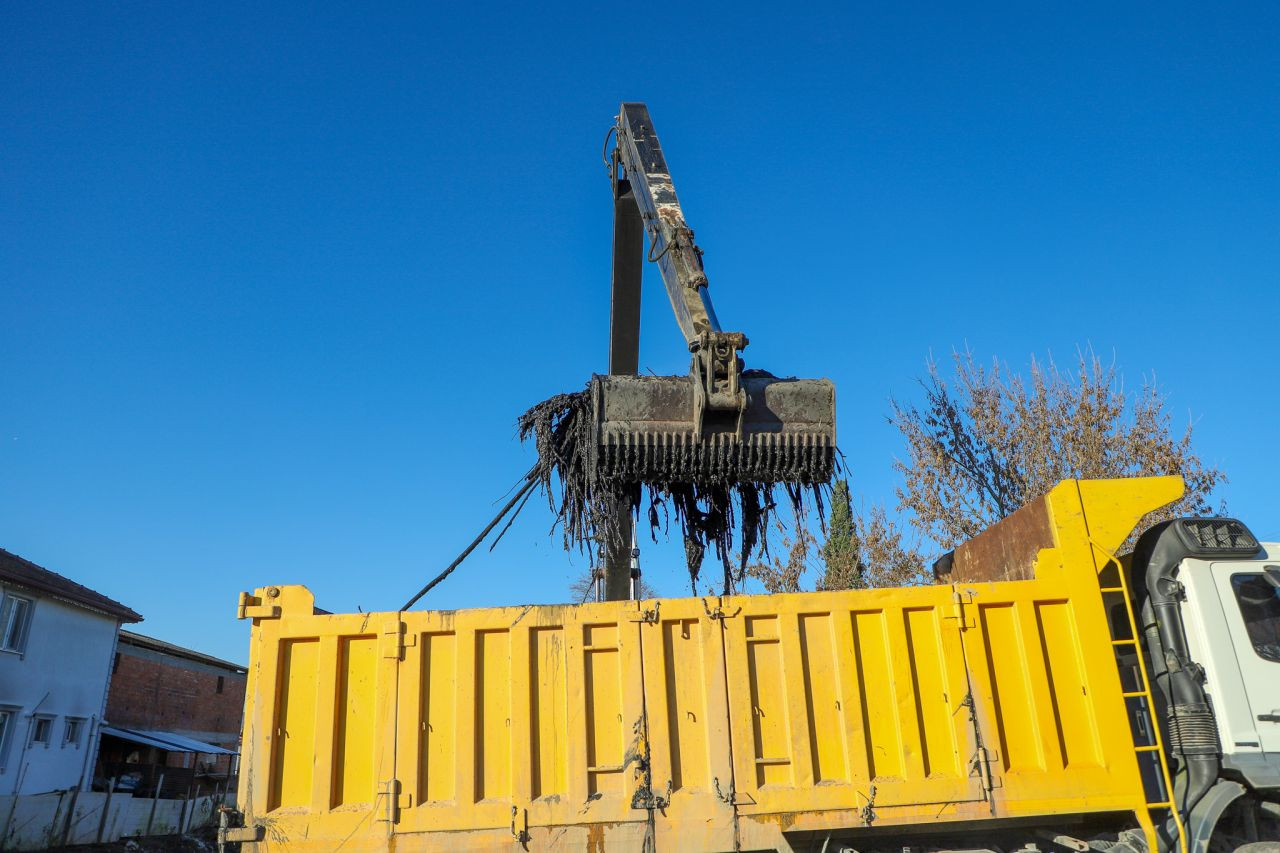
point(785, 574)
point(581, 590)
point(986, 441)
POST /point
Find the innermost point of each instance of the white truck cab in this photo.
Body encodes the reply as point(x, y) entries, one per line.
point(1232, 620)
point(1209, 596)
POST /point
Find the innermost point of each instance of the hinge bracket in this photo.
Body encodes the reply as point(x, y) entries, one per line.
point(868, 812)
point(982, 759)
point(718, 611)
point(394, 800)
point(520, 828)
point(396, 639)
point(959, 599)
point(645, 798)
point(251, 607)
point(731, 797)
point(648, 617)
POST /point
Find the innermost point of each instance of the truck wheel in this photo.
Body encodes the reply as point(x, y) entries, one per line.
point(1246, 827)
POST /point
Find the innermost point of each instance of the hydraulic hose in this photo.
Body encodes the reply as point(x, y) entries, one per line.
point(1192, 729)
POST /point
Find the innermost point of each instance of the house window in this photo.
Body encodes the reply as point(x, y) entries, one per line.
point(72, 732)
point(7, 717)
point(220, 680)
point(15, 616)
point(42, 731)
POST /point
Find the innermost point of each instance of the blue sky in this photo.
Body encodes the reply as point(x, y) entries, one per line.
point(276, 281)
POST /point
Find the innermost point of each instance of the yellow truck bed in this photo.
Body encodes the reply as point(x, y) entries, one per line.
point(736, 723)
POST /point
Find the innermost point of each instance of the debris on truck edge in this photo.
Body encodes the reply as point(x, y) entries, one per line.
point(724, 507)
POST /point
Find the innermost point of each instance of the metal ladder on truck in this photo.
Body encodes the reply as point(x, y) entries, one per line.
point(1161, 801)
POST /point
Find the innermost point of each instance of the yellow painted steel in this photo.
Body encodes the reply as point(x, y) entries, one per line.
point(700, 724)
point(318, 760)
point(1111, 566)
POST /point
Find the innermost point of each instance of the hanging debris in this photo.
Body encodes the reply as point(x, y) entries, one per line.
point(719, 503)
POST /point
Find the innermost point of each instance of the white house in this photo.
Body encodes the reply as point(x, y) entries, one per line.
point(57, 645)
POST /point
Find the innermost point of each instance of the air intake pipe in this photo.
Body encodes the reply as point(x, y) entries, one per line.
point(1193, 731)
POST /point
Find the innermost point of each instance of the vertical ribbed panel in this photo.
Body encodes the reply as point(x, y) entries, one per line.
point(606, 735)
point(878, 689)
point(295, 725)
point(354, 739)
point(931, 690)
point(768, 702)
point(548, 726)
point(822, 688)
point(493, 715)
point(685, 683)
point(437, 754)
point(1075, 722)
point(1020, 746)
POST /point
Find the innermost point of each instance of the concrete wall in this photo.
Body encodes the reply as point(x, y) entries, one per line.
point(45, 821)
point(62, 673)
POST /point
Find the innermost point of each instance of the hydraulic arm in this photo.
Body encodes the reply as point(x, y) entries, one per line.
point(715, 367)
point(717, 424)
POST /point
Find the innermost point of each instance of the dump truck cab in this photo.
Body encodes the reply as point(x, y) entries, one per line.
point(1210, 604)
point(1232, 622)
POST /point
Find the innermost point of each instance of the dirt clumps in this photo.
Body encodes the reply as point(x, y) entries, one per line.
point(714, 512)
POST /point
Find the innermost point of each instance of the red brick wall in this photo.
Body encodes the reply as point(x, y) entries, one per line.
point(148, 694)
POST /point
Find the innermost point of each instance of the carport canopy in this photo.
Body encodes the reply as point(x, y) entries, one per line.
point(168, 741)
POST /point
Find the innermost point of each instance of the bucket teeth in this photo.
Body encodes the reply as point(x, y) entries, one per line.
point(645, 432)
point(644, 456)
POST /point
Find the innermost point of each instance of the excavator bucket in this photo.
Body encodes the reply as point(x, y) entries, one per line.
point(654, 429)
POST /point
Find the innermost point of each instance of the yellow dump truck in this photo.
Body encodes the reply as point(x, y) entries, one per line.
point(1007, 706)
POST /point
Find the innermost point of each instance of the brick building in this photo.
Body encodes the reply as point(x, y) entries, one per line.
point(159, 687)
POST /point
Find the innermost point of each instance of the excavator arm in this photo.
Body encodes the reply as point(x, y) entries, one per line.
point(717, 424)
point(638, 159)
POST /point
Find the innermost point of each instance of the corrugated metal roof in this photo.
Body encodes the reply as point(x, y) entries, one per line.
point(24, 573)
point(190, 744)
point(168, 741)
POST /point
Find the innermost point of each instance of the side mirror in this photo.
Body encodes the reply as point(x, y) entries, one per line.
point(1272, 574)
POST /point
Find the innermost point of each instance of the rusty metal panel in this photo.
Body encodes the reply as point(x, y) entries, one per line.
point(1007, 550)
